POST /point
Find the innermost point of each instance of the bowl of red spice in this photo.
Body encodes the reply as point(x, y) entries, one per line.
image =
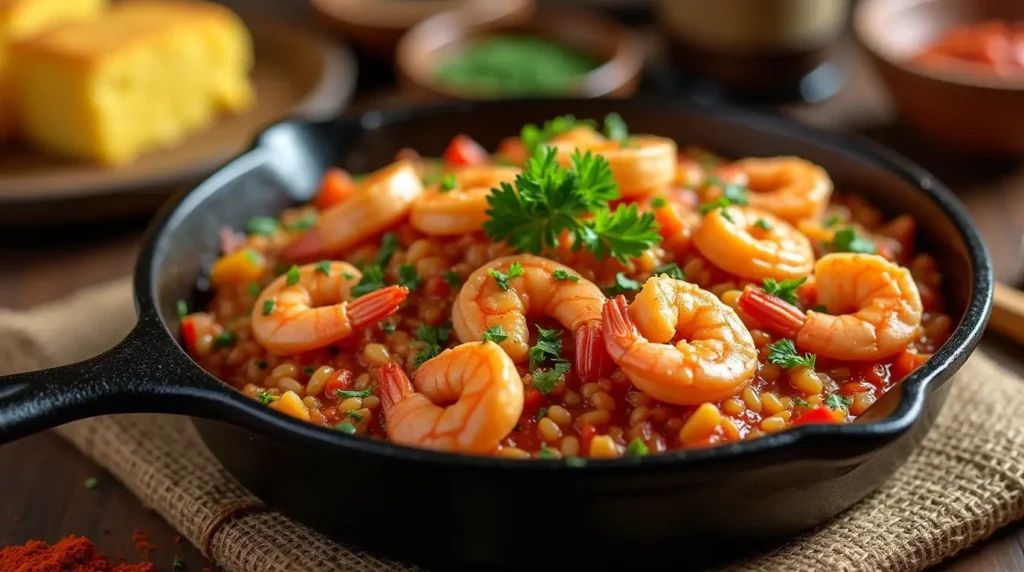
point(69, 554)
point(953, 68)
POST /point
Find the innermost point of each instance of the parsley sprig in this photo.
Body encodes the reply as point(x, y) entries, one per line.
point(548, 200)
point(548, 349)
point(847, 240)
point(534, 137)
point(435, 338)
point(515, 270)
point(785, 289)
point(783, 353)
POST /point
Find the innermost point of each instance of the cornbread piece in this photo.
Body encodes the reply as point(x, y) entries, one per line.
point(20, 19)
point(143, 76)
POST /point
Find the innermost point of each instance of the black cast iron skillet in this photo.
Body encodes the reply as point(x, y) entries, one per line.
point(435, 507)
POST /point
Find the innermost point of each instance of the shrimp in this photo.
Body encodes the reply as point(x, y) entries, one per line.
point(788, 187)
point(715, 358)
point(873, 309)
point(753, 244)
point(461, 210)
point(481, 380)
point(382, 200)
point(313, 308)
point(482, 304)
point(641, 166)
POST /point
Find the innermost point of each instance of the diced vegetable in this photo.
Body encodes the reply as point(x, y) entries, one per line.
point(243, 265)
point(291, 404)
point(820, 414)
point(337, 186)
point(464, 151)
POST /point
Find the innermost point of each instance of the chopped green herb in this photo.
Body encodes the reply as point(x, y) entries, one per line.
point(722, 203)
point(495, 334)
point(671, 270)
point(800, 402)
point(346, 428)
point(546, 381)
point(324, 267)
point(387, 327)
point(293, 276)
point(254, 289)
point(452, 279)
point(514, 270)
point(182, 308)
point(540, 413)
point(835, 401)
point(763, 224)
point(305, 223)
point(658, 202)
point(561, 274)
point(92, 482)
point(354, 415)
point(846, 240)
point(615, 128)
point(832, 221)
point(372, 280)
point(268, 306)
point(178, 565)
point(783, 353)
point(435, 338)
point(549, 200)
point(576, 462)
point(347, 275)
point(346, 393)
point(408, 277)
point(622, 285)
point(388, 247)
point(225, 339)
point(253, 257)
point(265, 398)
point(533, 137)
point(448, 183)
point(785, 289)
point(546, 452)
point(547, 348)
point(638, 448)
point(264, 225)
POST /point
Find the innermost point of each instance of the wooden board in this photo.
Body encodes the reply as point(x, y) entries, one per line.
point(296, 73)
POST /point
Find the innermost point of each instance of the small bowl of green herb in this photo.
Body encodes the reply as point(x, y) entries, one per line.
point(554, 52)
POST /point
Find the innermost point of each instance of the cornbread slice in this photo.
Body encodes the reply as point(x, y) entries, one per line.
point(143, 76)
point(20, 19)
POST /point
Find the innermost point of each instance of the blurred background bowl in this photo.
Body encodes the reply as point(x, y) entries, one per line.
point(967, 111)
point(616, 49)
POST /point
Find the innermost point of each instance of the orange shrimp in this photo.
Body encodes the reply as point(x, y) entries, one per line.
point(873, 309)
point(753, 244)
point(715, 359)
point(463, 209)
point(641, 166)
point(791, 188)
point(313, 308)
point(483, 303)
point(478, 377)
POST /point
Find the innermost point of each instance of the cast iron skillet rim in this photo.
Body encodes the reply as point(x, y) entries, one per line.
point(914, 389)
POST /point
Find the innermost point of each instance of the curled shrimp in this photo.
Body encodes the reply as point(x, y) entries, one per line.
point(482, 303)
point(715, 357)
point(478, 377)
point(641, 166)
point(873, 309)
point(382, 200)
point(791, 188)
point(314, 308)
point(461, 210)
point(753, 244)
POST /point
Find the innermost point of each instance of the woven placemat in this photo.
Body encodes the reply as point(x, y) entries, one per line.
point(964, 482)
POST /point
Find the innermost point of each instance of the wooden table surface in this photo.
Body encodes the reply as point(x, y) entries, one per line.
point(42, 477)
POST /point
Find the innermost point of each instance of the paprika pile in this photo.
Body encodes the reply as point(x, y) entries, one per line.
point(70, 554)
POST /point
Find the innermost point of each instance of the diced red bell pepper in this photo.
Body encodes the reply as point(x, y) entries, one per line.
point(340, 379)
point(587, 435)
point(464, 151)
point(436, 287)
point(820, 414)
point(188, 333)
point(337, 186)
point(532, 398)
point(905, 364)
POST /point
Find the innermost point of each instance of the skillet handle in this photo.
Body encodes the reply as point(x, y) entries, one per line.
point(141, 374)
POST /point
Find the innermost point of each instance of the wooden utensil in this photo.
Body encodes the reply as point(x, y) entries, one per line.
point(1008, 312)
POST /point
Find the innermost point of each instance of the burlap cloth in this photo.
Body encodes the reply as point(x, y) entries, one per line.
point(965, 481)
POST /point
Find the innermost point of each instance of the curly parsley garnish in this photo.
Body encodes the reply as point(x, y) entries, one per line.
point(514, 271)
point(372, 280)
point(548, 200)
point(835, 401)
point(408, 277)
point(495, 334)
point(783, 353)
point(548, 347)
point(846, 240)
point(435, 339)
point(785, 289)
point(534, 137)
point(545, 381)
point(561, 274)
point(388, 247)
point(623, 285)
point(265, 398)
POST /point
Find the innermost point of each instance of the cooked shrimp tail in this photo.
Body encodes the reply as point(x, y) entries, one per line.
point(376, 306)
point(592, 358)
point(620, 329)
point(394, 385)
point(773, 313)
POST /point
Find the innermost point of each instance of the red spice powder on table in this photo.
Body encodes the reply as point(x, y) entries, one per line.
point(70, 554)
